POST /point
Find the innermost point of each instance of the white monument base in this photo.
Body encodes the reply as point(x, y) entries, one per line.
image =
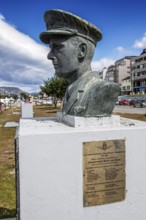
point(27, 110)
point(50, 173)
point(75, 121)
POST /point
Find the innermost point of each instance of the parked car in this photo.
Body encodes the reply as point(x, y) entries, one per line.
point(124, 102)
point(49, 102)
point(133, 100)
point(140, 103)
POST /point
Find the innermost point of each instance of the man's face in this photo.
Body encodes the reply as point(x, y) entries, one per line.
point(64, 55)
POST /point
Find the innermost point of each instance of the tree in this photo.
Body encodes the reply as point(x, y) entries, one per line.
point(55, 87)
point(15, 96)
point(24, 96)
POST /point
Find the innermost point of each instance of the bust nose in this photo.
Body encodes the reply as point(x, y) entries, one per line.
point(49, 56)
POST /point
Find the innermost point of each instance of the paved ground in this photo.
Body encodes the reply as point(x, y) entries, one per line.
point(129, 109)
point(11, 124)
point(9, 219)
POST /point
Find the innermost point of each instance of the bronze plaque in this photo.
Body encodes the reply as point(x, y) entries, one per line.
point(103, 172)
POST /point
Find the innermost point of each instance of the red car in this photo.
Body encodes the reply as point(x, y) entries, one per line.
point(124, 102)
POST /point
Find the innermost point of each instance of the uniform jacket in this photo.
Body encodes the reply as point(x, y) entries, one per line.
point(90, 96)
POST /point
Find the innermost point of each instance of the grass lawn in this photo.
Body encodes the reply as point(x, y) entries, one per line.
point(133, 116)
point(7, 164)
point(7, 156)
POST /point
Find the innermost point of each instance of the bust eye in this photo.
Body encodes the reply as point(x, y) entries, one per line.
point(58, 47)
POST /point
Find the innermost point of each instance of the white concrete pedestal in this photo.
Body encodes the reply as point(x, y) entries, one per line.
point(27, 110)
point(50, 178)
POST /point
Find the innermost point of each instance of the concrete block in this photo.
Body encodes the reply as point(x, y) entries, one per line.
point(50, 170)
point(27, 110)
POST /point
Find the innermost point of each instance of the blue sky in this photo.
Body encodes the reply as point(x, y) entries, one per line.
point(23, 61)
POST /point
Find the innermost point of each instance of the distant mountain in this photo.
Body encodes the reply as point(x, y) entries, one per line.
point(34, 93)
point(11, 90)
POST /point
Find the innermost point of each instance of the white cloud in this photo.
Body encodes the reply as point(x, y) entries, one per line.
point(23, 62)
point(141, 43)
point(1, 17)
point(100, 64)
point(123, 51)
point(120, 49)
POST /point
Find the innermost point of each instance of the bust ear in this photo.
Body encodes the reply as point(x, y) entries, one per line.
point(82, 50)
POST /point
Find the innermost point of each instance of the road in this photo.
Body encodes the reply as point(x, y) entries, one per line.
point(129, 109)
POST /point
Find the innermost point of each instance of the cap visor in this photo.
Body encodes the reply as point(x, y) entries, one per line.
point(45, 36)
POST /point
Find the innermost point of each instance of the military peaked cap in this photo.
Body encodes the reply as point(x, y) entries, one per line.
point(59, 22)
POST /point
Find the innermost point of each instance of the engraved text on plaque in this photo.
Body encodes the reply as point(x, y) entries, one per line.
point(103, 172)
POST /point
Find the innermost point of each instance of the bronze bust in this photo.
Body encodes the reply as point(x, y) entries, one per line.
point(72, 42)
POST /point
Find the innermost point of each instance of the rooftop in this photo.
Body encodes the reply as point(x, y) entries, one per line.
point(143, 52)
